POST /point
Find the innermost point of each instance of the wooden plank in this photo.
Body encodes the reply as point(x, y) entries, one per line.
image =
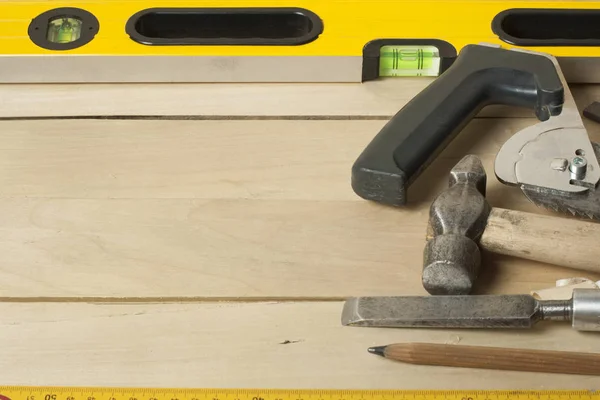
point(240, 345)
point(50, 100)
point(274, 160)
point(227, 248)
point(222, 209)
point(382, 99)
point(181, 159)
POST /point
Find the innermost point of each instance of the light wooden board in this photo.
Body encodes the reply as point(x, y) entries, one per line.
point(250, 160)
point(240, 345)
point(225, 248)
point(140, 215)
point(382, 98)
point(222, 209)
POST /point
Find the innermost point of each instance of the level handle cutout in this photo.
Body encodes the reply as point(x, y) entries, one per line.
point(224, 26)
point(548, 27)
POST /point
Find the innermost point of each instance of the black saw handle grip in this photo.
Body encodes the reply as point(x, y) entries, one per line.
point(480, 76)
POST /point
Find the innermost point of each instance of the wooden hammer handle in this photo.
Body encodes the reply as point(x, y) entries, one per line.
point(554, 240)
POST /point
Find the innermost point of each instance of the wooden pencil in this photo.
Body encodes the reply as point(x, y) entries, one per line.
point(451, 355)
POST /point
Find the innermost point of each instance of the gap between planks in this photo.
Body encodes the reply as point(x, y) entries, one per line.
point(169, 299)
point(211, 118)
point(230, 117)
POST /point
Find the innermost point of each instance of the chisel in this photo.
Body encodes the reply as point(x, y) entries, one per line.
point(489, 311)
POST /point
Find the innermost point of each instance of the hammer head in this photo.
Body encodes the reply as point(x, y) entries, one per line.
point(457, 218)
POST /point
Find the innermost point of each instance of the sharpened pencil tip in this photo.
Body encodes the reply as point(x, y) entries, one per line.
point(379, 350)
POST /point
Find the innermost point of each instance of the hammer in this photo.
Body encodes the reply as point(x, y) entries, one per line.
point(461, 220)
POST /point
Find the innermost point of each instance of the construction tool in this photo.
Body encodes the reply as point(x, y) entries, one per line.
point(553, 162)
point(461, 221)
point(283, 41)
point(451, 355)
point(488, 311)
point(480, 76)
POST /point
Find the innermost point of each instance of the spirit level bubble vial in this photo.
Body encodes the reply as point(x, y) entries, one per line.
point(409, 61)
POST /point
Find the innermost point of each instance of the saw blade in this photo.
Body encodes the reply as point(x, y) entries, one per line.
point(584, 204)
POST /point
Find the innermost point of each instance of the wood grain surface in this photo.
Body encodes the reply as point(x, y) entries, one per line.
point(375, 99)
point(246, 345)
point(253, 160)
point(223, 209)
point(119, 233)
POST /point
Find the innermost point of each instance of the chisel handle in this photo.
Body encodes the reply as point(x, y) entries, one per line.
point(560, 241)
point(481, 75)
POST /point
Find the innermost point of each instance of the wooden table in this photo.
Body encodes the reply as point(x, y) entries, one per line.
point(206, 235)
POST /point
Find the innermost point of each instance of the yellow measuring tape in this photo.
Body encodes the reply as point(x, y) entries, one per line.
point(90, 393)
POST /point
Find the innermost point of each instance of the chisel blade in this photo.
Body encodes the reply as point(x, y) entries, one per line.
point(496, 311)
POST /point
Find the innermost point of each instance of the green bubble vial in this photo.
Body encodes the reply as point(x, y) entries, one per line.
point(64, 30)
point(409, 61)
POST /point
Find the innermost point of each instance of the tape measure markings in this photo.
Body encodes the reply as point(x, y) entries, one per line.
point(90, 393)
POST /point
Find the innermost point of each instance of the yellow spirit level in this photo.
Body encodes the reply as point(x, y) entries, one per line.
point(283, 40)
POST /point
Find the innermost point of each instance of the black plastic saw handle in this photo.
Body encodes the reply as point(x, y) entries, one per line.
point(480, 76)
